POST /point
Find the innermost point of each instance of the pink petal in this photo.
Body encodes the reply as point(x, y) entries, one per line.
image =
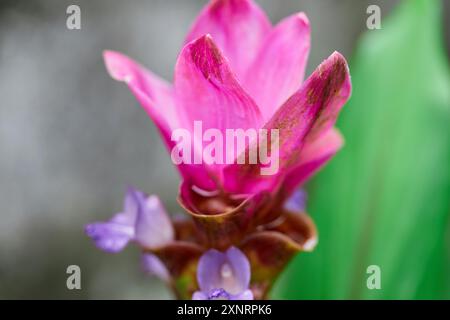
point(279, 67)
point(237, 26)
point(310, 112)
point(313, 157)
point(154, 94)
point(207, 91)
point(157, 98)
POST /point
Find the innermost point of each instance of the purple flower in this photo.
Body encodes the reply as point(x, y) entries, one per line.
point(296, 202)
point(143, 220)
point(152, 265)
point(223, 276)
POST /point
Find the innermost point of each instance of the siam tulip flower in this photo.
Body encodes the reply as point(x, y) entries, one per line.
point(224, 276)
point(237, 71)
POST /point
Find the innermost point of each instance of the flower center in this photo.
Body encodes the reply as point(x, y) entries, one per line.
point(218, 294)
point(226, 271)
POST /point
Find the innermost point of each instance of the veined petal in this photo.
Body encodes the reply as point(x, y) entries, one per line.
point(238, 27)
point(209, 96)
point(303, 118)
point(153, 228)
point(154, 94)
point(279, 67)
point(313, 157)
point(208, 91)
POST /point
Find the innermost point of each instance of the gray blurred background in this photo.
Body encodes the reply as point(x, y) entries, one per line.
point(71, 138)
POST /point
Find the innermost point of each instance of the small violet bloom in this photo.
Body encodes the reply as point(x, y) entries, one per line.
point(296, 203)
point(223, 276)
point(143, 220)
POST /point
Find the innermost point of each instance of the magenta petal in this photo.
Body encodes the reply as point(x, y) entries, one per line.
point(209, 95)
point(279, 67)
point(208, 91)
point(237, 26)
point(153, 93)
point(304, 117)
point(153, 228)
point(157, 98)
point(313, 157)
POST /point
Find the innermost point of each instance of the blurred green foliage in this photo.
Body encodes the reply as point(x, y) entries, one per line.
point(384, 199)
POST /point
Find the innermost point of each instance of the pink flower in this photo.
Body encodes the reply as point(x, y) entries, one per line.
point(237, 71)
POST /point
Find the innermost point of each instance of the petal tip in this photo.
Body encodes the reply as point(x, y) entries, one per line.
point(116, 65)
point(205, 41)
point(310, 244)
point(89, 229)
point(338, 58)
point(303, 19)
point(339, 139)
point(153, 202)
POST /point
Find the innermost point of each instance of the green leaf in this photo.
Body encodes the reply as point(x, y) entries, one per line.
point(384, 199)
